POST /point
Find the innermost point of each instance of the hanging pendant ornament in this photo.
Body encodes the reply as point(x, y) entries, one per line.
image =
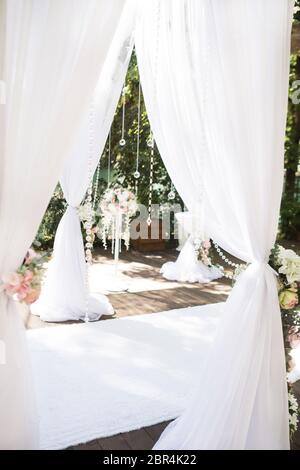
point(150, 141)
point(123, 141)
point(136, 174)
point(149, 220)
point(109, 158)
point(171, 195)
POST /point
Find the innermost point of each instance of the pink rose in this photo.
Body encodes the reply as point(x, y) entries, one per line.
point(288, 299)
point(22, 292)
point(12, 282)
point(32, 295)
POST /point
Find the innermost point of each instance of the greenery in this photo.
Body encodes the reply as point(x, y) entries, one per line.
point(53, 214)
point(123, 161)
point(124, 158)
point(290, 206)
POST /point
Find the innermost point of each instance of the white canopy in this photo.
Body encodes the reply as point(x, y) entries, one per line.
point(215, 88)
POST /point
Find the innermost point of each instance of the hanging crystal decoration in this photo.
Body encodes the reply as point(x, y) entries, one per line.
point(150, 183)
point(150, 141)
point(137, 173)
point(109, 158)
point(123, 141)
point(171, 195)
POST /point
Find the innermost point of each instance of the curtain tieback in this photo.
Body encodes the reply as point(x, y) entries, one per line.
point(266, 265)
point(72, 207)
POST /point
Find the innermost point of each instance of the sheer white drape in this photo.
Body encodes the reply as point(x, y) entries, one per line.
point(64, 294)
point(51, 56)
point(226, 68)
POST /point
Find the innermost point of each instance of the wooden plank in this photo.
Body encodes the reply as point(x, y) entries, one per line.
point(114, 443)
point(139, 439)
point(156, 430)
point(295, 44)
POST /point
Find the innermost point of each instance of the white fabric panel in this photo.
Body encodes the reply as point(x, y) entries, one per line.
point(226, 67)
point(64, 293)
point(53, 53)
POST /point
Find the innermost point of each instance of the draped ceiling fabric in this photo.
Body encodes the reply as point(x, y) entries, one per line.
point(215, 80)
point(50, 66)
point(64, 293)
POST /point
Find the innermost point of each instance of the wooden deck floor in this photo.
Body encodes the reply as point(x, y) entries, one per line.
point(156, 295)
point(150, 292)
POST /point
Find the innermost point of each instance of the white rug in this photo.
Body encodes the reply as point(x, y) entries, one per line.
point(99, 379)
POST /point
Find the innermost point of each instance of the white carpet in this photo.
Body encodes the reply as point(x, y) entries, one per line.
point(99, 379)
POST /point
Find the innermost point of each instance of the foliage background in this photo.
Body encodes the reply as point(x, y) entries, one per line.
point(123, 161)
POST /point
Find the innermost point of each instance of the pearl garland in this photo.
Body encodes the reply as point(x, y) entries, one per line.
point(89, 206)
point(224, 258)
point(227, 261)
point(96, 185)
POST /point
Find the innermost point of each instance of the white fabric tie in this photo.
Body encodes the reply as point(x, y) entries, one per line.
point(266, 265)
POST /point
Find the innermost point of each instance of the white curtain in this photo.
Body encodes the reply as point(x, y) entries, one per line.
point(220, 69)
point(51, 56)
point(65, 293)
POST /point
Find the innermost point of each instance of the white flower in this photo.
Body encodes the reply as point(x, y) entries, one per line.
point(293, 412)
point(293, 402)
point(293, 375)
point(84, 212)
point(293, 421)
point(290, 265)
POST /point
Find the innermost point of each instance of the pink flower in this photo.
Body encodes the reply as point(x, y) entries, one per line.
point(12, 282)
point(206, 244)
point(28, 276)
point(22, 292)
point(32, 295)
point(288, 299)
point(18, 285)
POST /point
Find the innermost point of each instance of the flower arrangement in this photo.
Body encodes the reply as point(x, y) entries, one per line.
point(202, 247)
point(287, 264)
point(117, 206)
point(293, 412)
point(24, 285)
